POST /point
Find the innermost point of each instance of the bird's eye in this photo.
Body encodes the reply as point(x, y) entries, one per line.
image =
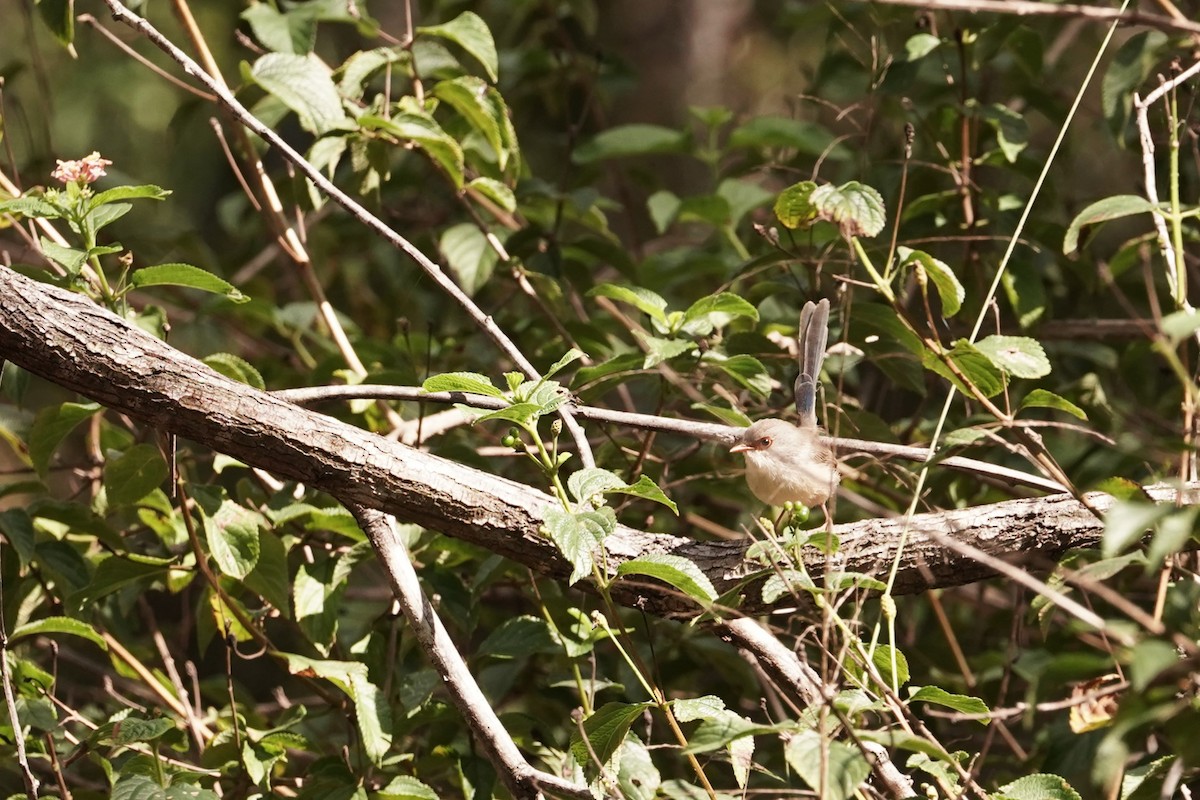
point(765, 442)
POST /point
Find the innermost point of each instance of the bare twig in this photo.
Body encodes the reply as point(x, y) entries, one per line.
point(1027, 8)
point(724, 434)
point(521, 780)
point(356, 210)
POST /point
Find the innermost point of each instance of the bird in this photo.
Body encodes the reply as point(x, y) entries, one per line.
point(786, 462)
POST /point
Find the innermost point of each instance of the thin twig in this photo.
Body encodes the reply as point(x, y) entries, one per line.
point(724, 434)
point(1028, 8)
point(521, 779)
point(354, 208)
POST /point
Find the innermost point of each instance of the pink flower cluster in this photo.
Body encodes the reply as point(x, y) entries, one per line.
point(86, 170)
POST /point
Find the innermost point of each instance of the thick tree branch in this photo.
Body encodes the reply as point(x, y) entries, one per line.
point(1037, 8)
point(67, 339)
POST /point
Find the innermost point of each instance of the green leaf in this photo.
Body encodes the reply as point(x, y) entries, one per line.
point(959, 702)
point(1180, 325)
point(716, 311)
point(571, 356)
point(730, 416)
point(232, 535)
point(807, 138)
point(52, 426)
point(785, 581)
point(405, 787)
point(115, 573)
point(471, 33)
point(643, 300)
point(134, 474)
point(468, 382)
point(469, 255)
point(1101, 211)
point(68, 258)
point(659, 350)
point(143, 192)
point(49, 625)
point(134, 729)
point(520, 413)
point(975, 365)
point(59, 17)
point(1038, 787)
point(828, 766)
point(185, 275)
point(857, 209)
point(1127, 522)
point(794, 206)
point(16, 526)
point(304, 84)
point(236, 368)
point(1019, 356)
point(677, 571)
point(748, 371)
point(664, 208)
point(722, 729)
point(920, 45)
point(605, 730)
point(577, 534)
point(631, 140)
point(1040, 398)
point(371, 709)
point(423, 131)
point(482, 107)
point(281, 33)
point(519, 637)
point(649, 490)
point(588, 482)
point(495, 191)
point(1012, 131)
point(949, 289)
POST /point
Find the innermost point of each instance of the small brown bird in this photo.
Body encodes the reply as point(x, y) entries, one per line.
point(785, 462)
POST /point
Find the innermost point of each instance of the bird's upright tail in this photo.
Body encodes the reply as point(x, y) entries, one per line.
point(814, 333)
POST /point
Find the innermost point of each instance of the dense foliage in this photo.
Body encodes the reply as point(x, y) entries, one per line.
point(227, 634)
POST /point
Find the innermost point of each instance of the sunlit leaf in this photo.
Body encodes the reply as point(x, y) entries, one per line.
point(471, 33)
point(677, 571)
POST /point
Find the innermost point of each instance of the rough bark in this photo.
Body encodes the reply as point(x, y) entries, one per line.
point(66, 338)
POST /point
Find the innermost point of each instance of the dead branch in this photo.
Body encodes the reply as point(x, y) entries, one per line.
point(67, 339)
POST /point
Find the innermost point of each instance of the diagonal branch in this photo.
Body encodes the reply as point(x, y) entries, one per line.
point(67, 339)
point(356, 209)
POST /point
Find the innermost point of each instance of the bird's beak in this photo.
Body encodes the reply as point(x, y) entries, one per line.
point(741, 447)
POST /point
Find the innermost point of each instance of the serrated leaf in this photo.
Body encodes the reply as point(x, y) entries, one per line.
point(630, 140)
point(794, 206)
point(829, 766)
point(520, 413)
point(959, 702)
point(135, 729)
point(577, 534)
point(590, 481)
point(468, 382)
point(605, 730)
point(236, 368)
point(405, 787)
point(1038, 787)
point(717, 310)
point(67, 625)
point(1040, 398)
point(1101, 211)
point(423, 131)
point(1019, 356)
point(643, 300)
point(571, 356)
point(857, 209)
point(69, 258)
point(659, 350)
point(495, 191)
point(482, 107)
point(677, 571)
point(972, 363)
point(134, 474)
point(304, 84)
point(185, 275)
point(948, 287)
point(143, 192)
point(232, 536)
point(471, 33)
point(785, 581)
point(648, 490)
point(690, 709)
